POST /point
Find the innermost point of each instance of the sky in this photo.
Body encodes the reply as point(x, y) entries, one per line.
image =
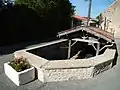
point(98, 6)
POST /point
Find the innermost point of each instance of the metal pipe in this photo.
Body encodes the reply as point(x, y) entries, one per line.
point(69, 49)
point(74, 43)
point(106, 46)
point(97, 50)
point(93, 46)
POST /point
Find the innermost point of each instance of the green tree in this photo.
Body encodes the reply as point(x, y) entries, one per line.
point(56, 13)
point(31, 20)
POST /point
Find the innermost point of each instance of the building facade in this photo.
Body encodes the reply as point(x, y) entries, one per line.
point(110, 19)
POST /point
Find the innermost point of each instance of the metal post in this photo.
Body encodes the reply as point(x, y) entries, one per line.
point(89, 12)
point(69, 49)
point(97, 50)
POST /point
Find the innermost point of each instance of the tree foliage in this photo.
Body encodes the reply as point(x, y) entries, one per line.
point(35, 20)
point(58, 12)
point(46, 5)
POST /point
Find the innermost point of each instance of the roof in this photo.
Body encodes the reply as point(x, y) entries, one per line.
point(79, 17)
point(93, 30)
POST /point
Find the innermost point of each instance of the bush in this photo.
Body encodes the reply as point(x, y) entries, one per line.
point(19, 64)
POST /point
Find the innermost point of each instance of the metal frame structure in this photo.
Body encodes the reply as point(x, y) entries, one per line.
point(94, 31)
point(82, 40)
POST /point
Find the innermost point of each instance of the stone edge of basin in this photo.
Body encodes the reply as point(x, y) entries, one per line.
point(40, 62)
point(62, 70)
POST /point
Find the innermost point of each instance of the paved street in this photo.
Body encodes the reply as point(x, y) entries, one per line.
point(109, 80)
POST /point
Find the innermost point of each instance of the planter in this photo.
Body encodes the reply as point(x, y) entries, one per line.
point(19, 78)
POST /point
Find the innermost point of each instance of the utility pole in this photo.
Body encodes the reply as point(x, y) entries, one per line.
point(89, 12)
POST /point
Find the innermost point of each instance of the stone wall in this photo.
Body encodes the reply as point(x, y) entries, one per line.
point(67, 74)
point(112, 14)
point(64, 74)
point(102, 67)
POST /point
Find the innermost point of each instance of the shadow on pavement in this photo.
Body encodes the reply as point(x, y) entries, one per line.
point(115, 58)
point(12, 48)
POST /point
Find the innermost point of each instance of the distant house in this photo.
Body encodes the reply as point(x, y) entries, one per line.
point(78, 20)
point(82, 21)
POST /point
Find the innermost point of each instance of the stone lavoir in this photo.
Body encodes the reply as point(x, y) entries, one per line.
point(73, 56)
point(54, 65)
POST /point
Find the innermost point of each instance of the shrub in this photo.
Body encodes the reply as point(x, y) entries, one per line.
point(19, 64)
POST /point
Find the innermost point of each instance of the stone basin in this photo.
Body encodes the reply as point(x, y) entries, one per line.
point(62, 68)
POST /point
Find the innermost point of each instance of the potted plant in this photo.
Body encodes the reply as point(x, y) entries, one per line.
point(19, 70)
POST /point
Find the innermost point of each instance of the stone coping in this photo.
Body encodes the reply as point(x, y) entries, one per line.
point(65, 64)
point(81, 63)
point(108, 55)
point(34, 60)
point(47, 43)
point(40, 62)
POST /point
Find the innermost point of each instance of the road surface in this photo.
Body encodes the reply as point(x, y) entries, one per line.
point(108, 80)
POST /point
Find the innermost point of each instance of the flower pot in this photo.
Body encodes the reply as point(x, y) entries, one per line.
point(19, 78)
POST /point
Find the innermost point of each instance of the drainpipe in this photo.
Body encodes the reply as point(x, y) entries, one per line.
point(106, 46)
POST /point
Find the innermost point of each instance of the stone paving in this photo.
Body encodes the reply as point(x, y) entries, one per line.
point(109, 80)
